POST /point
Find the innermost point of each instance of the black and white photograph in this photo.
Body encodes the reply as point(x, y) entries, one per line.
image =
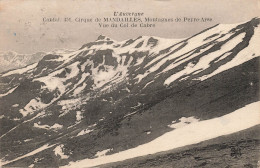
point(129, 84)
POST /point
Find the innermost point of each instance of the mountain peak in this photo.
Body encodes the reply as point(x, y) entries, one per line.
point(103, 37)
point(255, 21)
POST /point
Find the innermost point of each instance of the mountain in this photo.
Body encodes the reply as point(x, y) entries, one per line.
point(12, 60)
point(111, 101)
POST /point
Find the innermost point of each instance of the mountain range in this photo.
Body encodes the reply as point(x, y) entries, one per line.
point(142, 102)
point(12, 60)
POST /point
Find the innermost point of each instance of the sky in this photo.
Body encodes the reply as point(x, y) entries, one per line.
point(23, 30)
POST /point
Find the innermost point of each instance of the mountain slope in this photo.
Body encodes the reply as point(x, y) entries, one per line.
point(240, 149)
point(111, 96)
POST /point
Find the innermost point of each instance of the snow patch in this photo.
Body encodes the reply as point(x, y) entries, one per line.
point(31, 166)
point(85, 131)
point(148, 84)
point(42, 148)
point(78, 116)
point(250, 52)
point(20, 71)
point(101, 119)
point(27, 140)
point(59, 150)
point(126, 89)
point(183, 122)
point(88, 130)
point(15, 105)
point(138, 105)
point(54, 127)
point(33, 105)
point(36, 125)
point(103, 152)
point(130, 114)
point(204, 62)
point(69, 104)
point(8, 92)
point(139, 61)
point(52, 82)
point(77, 88)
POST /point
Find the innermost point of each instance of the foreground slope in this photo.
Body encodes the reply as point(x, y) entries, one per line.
point(239, 149)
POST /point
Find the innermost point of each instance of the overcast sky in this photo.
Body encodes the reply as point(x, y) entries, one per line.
point(22, 28)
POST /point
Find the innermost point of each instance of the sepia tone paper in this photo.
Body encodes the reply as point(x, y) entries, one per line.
point(127, 83)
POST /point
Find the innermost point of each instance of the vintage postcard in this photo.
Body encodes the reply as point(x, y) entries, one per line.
point(129, 83)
